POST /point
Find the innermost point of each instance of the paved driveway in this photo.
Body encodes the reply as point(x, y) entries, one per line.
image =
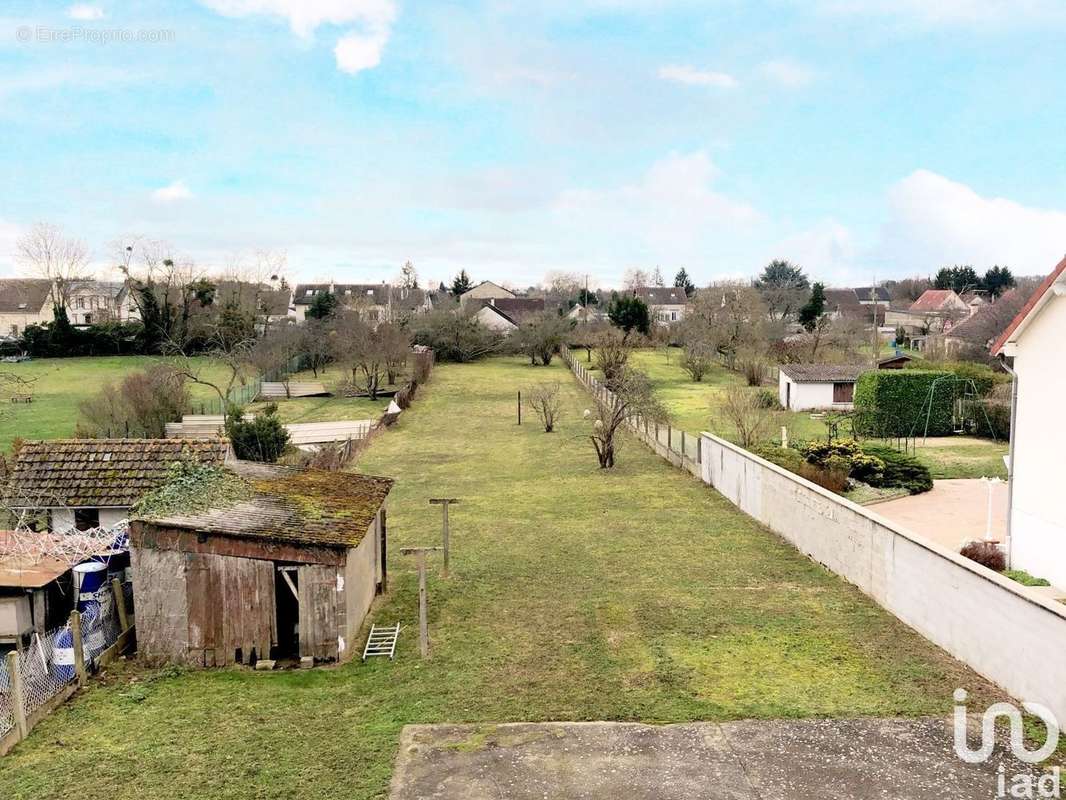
point(769, 760)
point(953, 512)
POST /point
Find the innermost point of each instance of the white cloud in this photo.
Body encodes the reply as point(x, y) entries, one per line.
point(178, 190)
point(935, 221)
point(9, 234)
point(368, 24)
point(789, 74)
point(696, 77)
point(673, 214)
point(85, 12)
point(828, 251)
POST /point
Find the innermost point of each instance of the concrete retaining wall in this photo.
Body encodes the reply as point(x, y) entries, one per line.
point(1006, 632)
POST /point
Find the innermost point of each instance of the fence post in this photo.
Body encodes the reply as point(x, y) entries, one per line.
point(79, 647)
point(18, 695)
point(683, 453)
point(120, 605)
point(669, 437)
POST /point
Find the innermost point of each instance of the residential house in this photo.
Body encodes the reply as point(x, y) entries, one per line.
point(936, 311)
point(505, 314)
point(486, 290)
point(23, 302)
point(1033, 341)
point(89, 483)
point(855, 303)
point(898, 360)
point(976, 334)
point(666, 304)
point(91, 301)
point(583, 314)
point(376, 302)
point(286, 569)
point(269, 303)
point(818, 386)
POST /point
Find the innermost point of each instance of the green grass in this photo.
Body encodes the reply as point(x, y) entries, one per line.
point(695, 407)
point(328, 409)
point(63, 383)
point(962, 457)
point(577, 594)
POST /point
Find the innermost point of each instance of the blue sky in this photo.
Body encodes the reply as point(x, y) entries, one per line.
point(861, 138)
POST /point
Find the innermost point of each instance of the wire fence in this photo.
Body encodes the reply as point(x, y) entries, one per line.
point(47, 665)
point(664, 439)
point(248, 392)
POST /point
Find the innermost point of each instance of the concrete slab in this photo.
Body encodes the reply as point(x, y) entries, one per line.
point(954, 511)
point(768, 760)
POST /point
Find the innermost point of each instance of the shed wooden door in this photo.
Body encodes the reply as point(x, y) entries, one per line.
point(318, 612)
point(231, 608)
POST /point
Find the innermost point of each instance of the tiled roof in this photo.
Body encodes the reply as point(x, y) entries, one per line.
point(933, 300)
point(27, 295)
point(881, 294)
point(824, 373)
point(1035, 302)
point(294, 505)
point(515, 309)
point(103, 473)
point(662, 295)
point(377, 294)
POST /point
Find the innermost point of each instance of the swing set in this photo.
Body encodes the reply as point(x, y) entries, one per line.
point(965, 404)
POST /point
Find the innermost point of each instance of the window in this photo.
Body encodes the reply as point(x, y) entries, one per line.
point(86, 518)
point(843, 392)
point(673, 316)
point(14, 330)
point(81, 302)
point(88, 319)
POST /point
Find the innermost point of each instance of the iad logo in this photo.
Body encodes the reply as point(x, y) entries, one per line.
point(1022, 784)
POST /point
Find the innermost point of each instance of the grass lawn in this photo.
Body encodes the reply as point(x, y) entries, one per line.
point(328, 409)
point(577, 594)
point(62, 384)
point(963, 457)
point(694, 407)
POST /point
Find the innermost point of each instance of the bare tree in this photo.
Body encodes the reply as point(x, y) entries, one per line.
point(636, 278)
point(139, 406)
point(274, 353)
point(631, 398)
point(395, 345)
point(730, 318)
point(751, 423)
point(611, 354)
point(360, 350)
point(697, 360)
point(51, 254)
point(545, 401)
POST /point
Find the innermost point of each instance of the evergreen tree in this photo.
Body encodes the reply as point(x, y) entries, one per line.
point(461, 285)
point(628, 313)
point(957, 278)
point(323, 306)
point(682, 281)
point(814, 308)
point(997, 280)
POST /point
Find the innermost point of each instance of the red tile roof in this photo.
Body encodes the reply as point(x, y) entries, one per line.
point(1041, 290)
point(932, 300)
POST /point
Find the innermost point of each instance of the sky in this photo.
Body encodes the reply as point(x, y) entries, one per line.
point(862, 139)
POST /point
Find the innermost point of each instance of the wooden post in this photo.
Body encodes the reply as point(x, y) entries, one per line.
point(423, 607)
point(79, 648)
point(444, 502)
point(18, 695)
point(682, 444)
point(519, 412)
point(120, 605)
point(784, 437)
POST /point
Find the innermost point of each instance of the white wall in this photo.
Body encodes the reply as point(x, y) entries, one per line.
point(63, 518)
point(976, 615)
point(808, 395)
point(1038, 517)
point(493, 321)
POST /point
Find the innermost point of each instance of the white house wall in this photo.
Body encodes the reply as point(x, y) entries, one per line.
point(807, 396)
point(1038, 522)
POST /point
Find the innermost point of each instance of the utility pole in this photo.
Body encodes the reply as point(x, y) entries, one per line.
point(423, 609)
point(444, 502)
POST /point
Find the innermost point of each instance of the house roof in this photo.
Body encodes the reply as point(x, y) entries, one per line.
point(298, 506)
point(25, 571)
point(271, 301)
point(515, 309)
point(881, 294)
point(1036, 302)
point(934, 300)
point(662, 295)
point(488, 286)
point(378, 294)
point(102, 473)
point(23, 295)
point(824, 373)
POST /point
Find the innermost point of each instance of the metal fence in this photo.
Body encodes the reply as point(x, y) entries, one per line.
point(247, 393)
point(680, 447)
point(31, 677)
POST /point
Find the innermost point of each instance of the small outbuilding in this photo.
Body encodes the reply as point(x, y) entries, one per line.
point(276, 563)
point(819, 386)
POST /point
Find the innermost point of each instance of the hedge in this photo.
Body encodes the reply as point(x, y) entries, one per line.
point(895, 402)
point(900, 470)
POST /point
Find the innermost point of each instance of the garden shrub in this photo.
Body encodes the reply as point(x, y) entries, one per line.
point(984, 378)
point(262, 438)
point(993, 419)
point(1024, 578)
point(987, 554)
point(894, 402)
point(899, 470)
point(767, 398)
point(846, 456)
point(833, 479)
point(785, 457)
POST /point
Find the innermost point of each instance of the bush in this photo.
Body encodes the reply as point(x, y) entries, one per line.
point(993, 419)
point(140, 406)
point(845, 455)
point(896, 403)
point(987, 554)
point(785, 457)
point(984, 378)
point(831, 478)
point(263, 438)
point(767, 398)
point(1024, 578)
point(900, 470)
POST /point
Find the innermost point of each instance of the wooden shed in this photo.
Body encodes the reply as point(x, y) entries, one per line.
point(286, 566)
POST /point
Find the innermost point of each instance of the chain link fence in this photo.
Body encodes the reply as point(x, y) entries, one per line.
point(47, 665)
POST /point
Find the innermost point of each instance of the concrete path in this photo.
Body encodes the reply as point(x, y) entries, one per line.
point(953, 512)
point(768, 760)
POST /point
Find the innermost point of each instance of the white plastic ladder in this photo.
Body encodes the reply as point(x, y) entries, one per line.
point(381, 641)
